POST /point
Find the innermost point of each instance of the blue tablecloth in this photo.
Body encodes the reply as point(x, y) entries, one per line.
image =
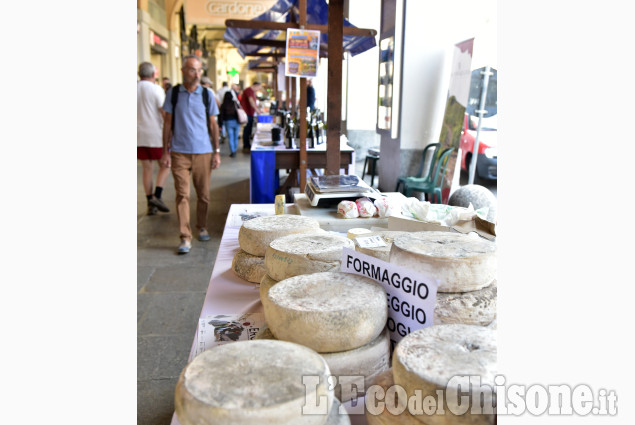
point(264, 177)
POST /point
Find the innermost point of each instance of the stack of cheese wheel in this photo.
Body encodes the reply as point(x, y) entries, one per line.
point(355, 369)
point(256, 382)
point(255, 235)
point(441, 359)
point(465, 266)
point(305, 253)
point(340, 315)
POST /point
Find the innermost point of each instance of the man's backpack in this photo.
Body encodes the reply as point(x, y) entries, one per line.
point(175, 98)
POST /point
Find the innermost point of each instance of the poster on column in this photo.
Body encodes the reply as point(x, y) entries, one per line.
point(458, 94)
point(303, 53)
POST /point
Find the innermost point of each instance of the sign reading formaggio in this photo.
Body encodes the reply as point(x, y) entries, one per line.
point(214, 12)
point(411, 295)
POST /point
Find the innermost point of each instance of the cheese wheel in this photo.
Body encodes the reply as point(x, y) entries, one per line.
point(381, 252)
point(297, 254)
point(470, 308)
point(265, 283)
point(335, 417)
point(430, 359)
point(383, 416)
point(329, 311)
point(354, 369)
point(460, 262)
point(255, 235)
point(249, 267)
point(249, 382)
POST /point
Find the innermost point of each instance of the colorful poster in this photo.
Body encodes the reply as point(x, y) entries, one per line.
point(303, 53)
point(458, 93)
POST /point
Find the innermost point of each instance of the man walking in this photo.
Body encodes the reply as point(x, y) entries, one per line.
point(190, 147)
point(149, 147)
point(249, 102)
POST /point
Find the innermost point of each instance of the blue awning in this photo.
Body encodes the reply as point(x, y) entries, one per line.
point(317, 12)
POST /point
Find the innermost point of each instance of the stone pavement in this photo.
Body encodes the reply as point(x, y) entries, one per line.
point(171, 288)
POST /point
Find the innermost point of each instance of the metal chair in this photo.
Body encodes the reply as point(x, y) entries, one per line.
point(371, 162)
point(434, 147)
point(430, 187)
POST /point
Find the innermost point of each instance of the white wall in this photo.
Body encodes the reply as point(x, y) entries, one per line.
point(363, 69)
point(432, 28)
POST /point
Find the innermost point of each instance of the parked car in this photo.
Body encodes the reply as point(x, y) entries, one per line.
point(487, 161)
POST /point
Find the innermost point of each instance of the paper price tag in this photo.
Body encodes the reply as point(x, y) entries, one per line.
point(375, 241)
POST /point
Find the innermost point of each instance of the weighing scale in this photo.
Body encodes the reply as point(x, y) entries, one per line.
point(323, 191)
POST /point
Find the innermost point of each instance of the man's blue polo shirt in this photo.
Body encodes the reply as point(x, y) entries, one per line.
point(190, 126)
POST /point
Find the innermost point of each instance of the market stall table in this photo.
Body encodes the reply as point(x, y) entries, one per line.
point(229, 294)
point(267, 159)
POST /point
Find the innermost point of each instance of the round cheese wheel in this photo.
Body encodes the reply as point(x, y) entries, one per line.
point(265, 283)
point(381, 252)
point(336, 417)
point(383, 416)
point(430, 359)
point(356, 368)
point(329, 311)
point(249, 267)
point(460, 262)
point(255, 235)
point(297, 254)
point(248, 382)
point(470, 308)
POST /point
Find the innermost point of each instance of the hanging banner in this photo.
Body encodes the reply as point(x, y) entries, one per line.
point(458, 94)
point(303, 53)
point(214, 12)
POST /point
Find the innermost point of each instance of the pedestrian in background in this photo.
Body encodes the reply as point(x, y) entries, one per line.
point(310, 95)
point(191, 147)
point(150, 97)
point(249, 102)
point(229, 117)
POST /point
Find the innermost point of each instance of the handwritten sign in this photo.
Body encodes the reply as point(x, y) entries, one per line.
point(411, 296)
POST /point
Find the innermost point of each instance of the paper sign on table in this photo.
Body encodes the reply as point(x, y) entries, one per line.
point(225, 328)
point(411, 295)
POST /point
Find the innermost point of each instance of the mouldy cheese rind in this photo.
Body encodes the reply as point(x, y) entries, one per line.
point(470, 308)
point(432, 358)
point(249, 267)
point(460, 262)
point(356, 368)
point(265, 283)
point(297, 254)
point(328, 312)
point(249, 382)
point(255, 235)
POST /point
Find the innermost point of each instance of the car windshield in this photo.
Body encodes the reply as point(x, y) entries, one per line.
point(488, 123)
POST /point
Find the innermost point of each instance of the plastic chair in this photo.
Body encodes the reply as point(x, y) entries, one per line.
point(430, 187)
point(419, 173)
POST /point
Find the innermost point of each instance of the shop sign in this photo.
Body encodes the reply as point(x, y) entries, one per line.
point(214, 13)
point(302, 55)
point(411, 296)
point(157, 40)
